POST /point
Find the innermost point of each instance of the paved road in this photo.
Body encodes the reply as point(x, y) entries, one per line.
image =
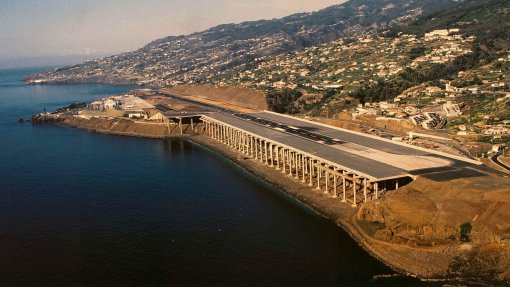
point(495, 159)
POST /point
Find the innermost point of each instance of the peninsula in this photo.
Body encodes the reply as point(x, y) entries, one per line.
point(399, 201)
point(391, 118)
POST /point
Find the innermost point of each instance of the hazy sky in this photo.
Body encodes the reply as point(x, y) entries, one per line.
point(49, 28)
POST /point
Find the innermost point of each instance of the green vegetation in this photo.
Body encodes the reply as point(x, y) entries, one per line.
point(465, 232)
point(71, 107)
point(487, 20)
point(492, 140)
point(283, 101)
point(386, 90)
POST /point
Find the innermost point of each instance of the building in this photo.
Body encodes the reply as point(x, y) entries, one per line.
point(452, 110)
point(155, 115)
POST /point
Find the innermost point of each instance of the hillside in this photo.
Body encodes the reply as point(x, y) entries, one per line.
point(487, 20)
point(197, 57)
point(469, 215)
point(449, 71)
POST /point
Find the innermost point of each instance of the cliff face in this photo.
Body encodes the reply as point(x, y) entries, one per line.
point(126, 127)
point(470, 215)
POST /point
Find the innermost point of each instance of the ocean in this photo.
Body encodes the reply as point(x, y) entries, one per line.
point(85, 209)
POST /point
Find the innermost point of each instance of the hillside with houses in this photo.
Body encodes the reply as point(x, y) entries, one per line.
point(442, 66)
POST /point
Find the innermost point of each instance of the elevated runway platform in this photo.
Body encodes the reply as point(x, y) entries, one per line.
point(374, 170)
point(370, 156)
point(416, 161)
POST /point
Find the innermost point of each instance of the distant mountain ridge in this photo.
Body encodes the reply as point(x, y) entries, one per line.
point(196, 57)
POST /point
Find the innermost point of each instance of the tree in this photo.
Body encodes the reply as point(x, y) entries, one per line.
point(283, 101)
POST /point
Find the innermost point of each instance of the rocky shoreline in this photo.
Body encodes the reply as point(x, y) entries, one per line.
point(342, 214)
point(424, 262)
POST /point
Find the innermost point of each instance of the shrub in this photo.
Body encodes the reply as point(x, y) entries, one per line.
point(465, 231)
point(283, 101)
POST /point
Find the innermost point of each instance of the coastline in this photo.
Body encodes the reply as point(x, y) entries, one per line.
point(402, 259)
point(343, 215)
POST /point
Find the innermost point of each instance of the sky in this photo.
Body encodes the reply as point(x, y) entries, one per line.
point(60, 31)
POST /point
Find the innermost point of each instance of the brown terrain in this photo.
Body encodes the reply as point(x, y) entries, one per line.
point(236, 96)
point(465, 221)
point(125, 127)
point(505, 159)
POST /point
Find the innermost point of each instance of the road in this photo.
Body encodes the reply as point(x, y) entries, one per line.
point(495, 160)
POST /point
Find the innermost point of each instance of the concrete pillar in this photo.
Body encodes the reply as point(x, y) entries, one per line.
point(326, 177)
point(365, 189)
point(310, 164)
point(266, 151)
point(250, 146)
point(291, 162)
point(271, 154)
point(233, 132)
point(246, 144)
point(354, 202)
point(238, 140)
point(296, 165)
point(261, 150)
point(283, 160)
point(231, 136)
point(303, 168)
point(319, 175)
point(335, 194)
point(344, 182)
point(241, 141)
point(277, 151)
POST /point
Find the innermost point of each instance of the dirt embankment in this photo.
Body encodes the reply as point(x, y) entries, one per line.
point(129, 127)
point(232, 95)
point(464, 221)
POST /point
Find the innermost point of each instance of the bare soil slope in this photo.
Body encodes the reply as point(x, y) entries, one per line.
point(470, 216)
point(232, 95)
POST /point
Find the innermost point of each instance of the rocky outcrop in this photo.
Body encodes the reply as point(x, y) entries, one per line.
point(470, 215)
point(46, 118)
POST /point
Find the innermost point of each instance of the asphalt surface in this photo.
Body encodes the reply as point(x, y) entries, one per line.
point(344, 136)
point(495, 159)
point(360, 164)
point(319, 140)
